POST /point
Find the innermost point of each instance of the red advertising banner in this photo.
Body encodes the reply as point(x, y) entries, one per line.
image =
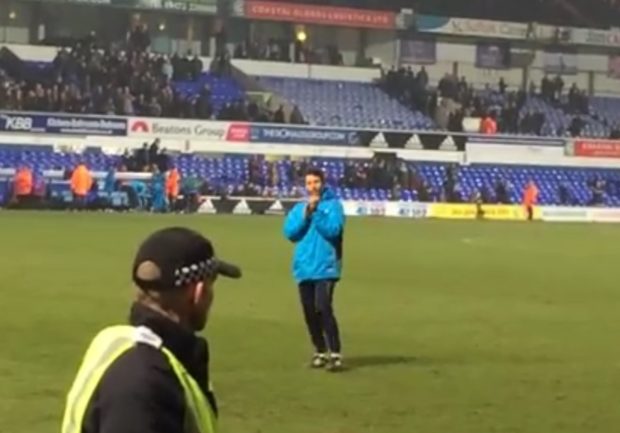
point(328, 15)
point(238, 132)
point(597, 148)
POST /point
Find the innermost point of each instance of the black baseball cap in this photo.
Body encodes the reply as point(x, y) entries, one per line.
point(174, 257)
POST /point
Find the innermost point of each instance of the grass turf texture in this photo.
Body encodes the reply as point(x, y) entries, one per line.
point(449, 327)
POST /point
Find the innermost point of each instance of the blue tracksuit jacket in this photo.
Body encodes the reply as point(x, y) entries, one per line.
point(318, 239)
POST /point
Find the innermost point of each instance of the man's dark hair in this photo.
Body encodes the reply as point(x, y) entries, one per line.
point(314, 171)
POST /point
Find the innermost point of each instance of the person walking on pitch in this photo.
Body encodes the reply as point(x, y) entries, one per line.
point(316, 227)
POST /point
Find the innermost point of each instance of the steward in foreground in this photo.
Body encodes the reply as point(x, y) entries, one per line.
point(152, 375)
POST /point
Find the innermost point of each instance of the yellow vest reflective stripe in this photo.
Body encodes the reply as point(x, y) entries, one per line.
point(106, 347)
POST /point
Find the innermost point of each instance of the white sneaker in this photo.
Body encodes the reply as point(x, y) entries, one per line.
point(319, 360)
point(335, 362)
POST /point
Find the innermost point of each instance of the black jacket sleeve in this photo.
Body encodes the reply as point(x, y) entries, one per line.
point(138, 394)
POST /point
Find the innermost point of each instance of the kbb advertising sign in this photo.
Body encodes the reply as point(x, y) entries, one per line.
point(327, 15)
point(62, 124)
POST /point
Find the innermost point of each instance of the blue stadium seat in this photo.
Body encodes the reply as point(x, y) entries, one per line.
point(344, 103)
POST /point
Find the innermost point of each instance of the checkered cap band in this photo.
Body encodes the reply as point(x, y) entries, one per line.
point(194, 273)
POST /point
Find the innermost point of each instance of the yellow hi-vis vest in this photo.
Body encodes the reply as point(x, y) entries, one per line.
point(107, 346)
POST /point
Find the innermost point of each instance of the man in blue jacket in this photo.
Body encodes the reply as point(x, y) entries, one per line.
point(316, 227)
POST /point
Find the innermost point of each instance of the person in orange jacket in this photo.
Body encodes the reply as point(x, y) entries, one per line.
point(173, 182)
point(488, 125)
point(81, 183)
point(530, 198)
point(22, 184)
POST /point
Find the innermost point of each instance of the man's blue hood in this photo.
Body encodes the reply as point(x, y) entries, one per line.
point(328, 194)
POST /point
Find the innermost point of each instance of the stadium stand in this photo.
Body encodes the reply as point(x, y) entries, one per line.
point(341, 103)
point(94, 81)
point(252, 175)
point(88, 80)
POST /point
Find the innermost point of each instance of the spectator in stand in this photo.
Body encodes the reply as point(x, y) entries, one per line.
point(167, 69)
point(448, 87)
point(142, 157)
point(442, 113)
point(139, 38)
point(521, 98)
point(564, 195)
point(501, 192)
point(462, 89)
point(450, 193)
point(196, 67)
point(455, 124)
point(576, 126)
point(296, 118)
point(153, 151)
point(597, 187)
point(509, 119)
point(278, 116)
point(525, 127)
point(204, 109)
point(573, 98)
point(558, 87)
point(538, 121)
point(502, 86)
point(546, 89)
point(488, 124)
point(422, 78)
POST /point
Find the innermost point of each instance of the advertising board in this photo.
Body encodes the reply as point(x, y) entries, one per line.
point(597, 148)
point(469, 211)
point(314, 14)
point(62, 124)
point(303, 135)
point(176, 128)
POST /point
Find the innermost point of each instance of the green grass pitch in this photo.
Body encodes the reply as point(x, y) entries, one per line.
point(448, 327)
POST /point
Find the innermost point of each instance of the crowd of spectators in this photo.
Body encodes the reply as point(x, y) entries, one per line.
point(455, 99)
point(129, 81)
point(278, 50)
point(274, 49)
point(393, 176)
point(146, 158)
point(87, 79)
point(411, 89)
